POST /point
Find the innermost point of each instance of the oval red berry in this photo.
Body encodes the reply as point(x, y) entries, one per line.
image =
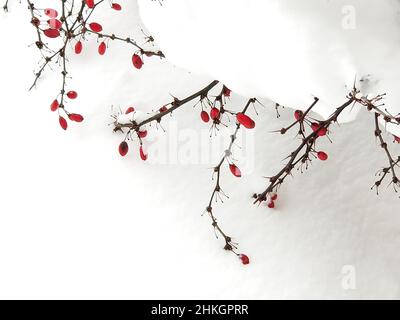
point(235, 170)
point(322, 131)
point(90, 3)
point(245, 121)
point(54, 105)
point(123, 148)
point(63, 123)
point(137, 61)
point(55, 23)
point(78, 47)
point(51, 33)
point(214, 113)
point(314, 126)
point(95, 27)
point(75, 117)
point(72, 94)
point(204, 116)
point(298, 114)
point(143, 156)
point(102, 48)
point(245, 259)
point(322, 156)
point(51, 13)
point(129, 110)
point(116, 6)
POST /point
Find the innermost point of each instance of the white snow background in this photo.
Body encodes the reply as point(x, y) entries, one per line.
point(286, 50)
point(79, 221)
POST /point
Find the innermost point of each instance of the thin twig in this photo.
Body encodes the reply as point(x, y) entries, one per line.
point(393, 163)
point(229, 245)
point(296, 157)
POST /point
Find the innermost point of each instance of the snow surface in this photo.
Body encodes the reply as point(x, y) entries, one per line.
point(78, 221)
point(286, 50)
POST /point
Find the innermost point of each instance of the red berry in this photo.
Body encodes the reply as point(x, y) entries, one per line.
point(142, 134)
point(78, 47)
point(143, 156)
point(54, 105)
point(235, 170)
point(90, 3)
point(63, 123)
point(226, 92)
point(274, 196)
point(55, 23)
point(137, 61)
point(271, 205)
point(75, 117)
point(322, 156)
point(72, 94)
point(245, 121)
point(123, 148)
point(129, 110)
point(245, 259)
point(214, 113)
point(396, 139)
point(116, 6)
point(51, 13)
point(204, 116)
point(298, 114)
point(314, 126)
point(322, 132)
point(317, 127)
point(95, 27)
point(51, 33)
point(163, 109)
point(102, 48)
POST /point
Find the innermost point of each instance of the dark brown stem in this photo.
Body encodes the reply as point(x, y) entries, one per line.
point(296, 157)
point(130, 41)
point(202, 94)
point(393, 163)
point(69, 29)
point(5, 6)
point(229, 245)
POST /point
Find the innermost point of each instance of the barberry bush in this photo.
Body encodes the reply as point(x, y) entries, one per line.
point(65, 28)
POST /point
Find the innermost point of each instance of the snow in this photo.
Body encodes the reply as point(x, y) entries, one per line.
point(286, 50)
point(79, 221)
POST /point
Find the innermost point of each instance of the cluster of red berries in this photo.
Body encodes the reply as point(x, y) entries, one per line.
point(271, 200)
point(242, 119)
point(123, 148)
point(215, 115)
point(137, 60)
point(53, 29)
point(56, 106)
point(53, 24)
point(321, 131)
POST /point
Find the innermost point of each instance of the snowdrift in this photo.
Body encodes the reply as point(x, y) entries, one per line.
point(286, 50)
